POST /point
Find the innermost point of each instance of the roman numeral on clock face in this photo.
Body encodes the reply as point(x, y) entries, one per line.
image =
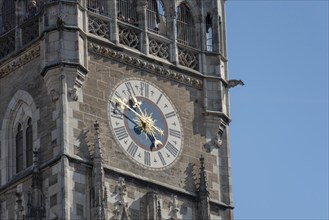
point(174, 133)
point(117, 94)
point(170, 114)
point(159, 99)
point(130, 88)
point(145, 89)
point(120, 132)
point(161, 158)
point(132, 149)
point(147, 159)
point(172, 149)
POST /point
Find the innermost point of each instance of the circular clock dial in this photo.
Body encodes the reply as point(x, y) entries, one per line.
point(145, 123)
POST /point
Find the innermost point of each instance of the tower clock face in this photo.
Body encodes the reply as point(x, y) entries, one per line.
point(145, 123)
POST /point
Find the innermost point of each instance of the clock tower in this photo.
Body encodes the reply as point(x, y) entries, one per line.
point(114, 110)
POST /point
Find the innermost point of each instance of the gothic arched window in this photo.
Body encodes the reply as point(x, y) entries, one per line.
point(127, 11)
point(185, 26)
point(18, 135)
point(156, 21)
point(8, 15)
point(24, 145)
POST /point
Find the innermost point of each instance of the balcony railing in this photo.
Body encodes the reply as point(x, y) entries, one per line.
point(131, 36)
point(110, 29)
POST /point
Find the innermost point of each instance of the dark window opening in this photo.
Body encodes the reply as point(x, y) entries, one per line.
point(156, 20)
point(127, 11)
point(8, 15)
point(209, 33)
point(185, 26)
point(29, 144)
point(97, 6)
point(19, 149)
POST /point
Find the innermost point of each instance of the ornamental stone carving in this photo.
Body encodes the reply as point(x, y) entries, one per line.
point(187, 58)
point(99, 27)
point(129, 38)
point(137, 62)
point(20, 61)
point(159, 49)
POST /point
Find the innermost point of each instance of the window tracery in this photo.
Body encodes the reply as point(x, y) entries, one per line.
point(18, 135)
point(24, 145)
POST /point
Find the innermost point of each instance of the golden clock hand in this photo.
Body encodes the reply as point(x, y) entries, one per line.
point(137, 104)
point(122, 104)
point(156, 141)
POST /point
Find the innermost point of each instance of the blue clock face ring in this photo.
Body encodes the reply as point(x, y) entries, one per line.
point(145, 123)
point(141, 138)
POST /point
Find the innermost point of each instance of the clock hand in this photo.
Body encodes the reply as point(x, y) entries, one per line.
point(156, 141)
point(122, 104)
point(136, 103)
point(146, 120)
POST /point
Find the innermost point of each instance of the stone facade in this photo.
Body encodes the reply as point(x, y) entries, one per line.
point(60, 77)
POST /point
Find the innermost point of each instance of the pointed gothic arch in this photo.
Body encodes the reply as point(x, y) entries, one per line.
point(18, 134)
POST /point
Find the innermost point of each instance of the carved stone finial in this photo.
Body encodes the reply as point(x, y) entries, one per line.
point(203, 178)
point(159, 217)
point(99, 190)
point(96, 126)
point(203, 200)
point(36, 199)
point(234, 82)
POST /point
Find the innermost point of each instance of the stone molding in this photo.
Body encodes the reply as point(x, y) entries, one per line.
point(148, 66)
point(19, 61)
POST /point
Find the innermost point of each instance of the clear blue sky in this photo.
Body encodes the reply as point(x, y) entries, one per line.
point(279, 128)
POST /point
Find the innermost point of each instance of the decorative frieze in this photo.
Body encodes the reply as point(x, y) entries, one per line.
point(159, 70)
point(20, 61)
